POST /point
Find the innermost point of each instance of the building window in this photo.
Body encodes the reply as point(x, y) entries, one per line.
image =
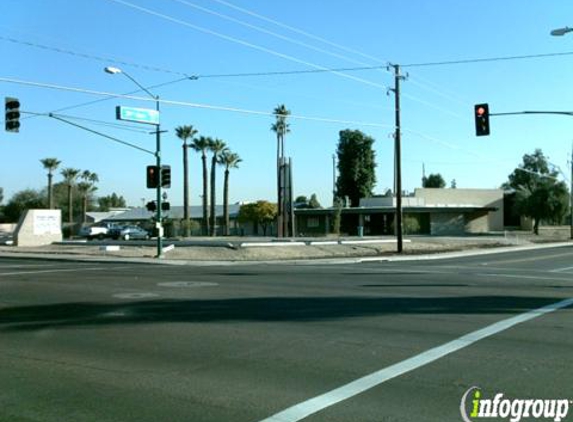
point(312, 222)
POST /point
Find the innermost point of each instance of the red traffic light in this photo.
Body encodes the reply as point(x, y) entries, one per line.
point(152, 177)
point(482, 119)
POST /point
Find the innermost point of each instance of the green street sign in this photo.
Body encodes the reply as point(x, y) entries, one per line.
point(139, 115)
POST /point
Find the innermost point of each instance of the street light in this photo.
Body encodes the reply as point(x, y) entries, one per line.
point(559, 32)
point(115, 71)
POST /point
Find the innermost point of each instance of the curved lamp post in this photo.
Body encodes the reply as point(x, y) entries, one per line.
point(115, 71)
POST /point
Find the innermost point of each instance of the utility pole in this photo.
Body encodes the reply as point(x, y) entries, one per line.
point(397, 158)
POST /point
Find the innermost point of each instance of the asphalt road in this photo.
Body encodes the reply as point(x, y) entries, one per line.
point(371, 342)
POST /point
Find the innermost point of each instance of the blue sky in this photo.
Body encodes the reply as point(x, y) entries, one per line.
point(192, 37)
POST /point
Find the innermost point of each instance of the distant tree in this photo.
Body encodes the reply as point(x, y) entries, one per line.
point(70, 178)
point(21, 201)
point(50, 164)
point(539, 195)
point(356, 166)
point(259, 213)
point(86, 188)
point(216, 146)
point(111, 201)
point(186, 133)
point(313, 202)
point(201, 145)
point(229, 160)
point(60, 192)
point(1, 195)
point(434, 181)
point(301, 199)
point(453, 184)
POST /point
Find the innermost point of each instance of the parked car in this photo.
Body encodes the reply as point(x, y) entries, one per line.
point(133, 232)
point(96, 231)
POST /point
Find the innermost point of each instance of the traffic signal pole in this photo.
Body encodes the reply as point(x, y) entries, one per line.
point(159, 215)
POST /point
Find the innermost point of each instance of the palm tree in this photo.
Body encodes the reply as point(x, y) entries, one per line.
point(50, 164)
point(201, 144)
point(281, 128)
point(70, 176)
point(87, 186)
point(185, 133)
point(216, 147)
point(229, 160)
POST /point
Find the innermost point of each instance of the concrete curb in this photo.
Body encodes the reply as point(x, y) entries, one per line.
point(310, 261)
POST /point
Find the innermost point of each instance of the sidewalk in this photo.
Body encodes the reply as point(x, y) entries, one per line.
point(207, 251)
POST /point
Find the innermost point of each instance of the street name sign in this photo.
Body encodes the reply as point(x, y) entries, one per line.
point(139, 115)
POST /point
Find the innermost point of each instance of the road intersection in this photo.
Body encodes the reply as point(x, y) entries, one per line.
point(134, 342)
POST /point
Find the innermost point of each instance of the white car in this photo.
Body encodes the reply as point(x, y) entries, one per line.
point(97, 231)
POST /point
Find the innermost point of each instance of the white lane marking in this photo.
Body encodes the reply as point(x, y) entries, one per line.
point(102, 268)
point(187, 284)
point(142, 295)
point(318, 403)
point(26, 265)
point(531, 277)
point(561, 270)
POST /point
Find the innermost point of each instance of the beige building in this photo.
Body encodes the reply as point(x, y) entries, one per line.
point(430, 211)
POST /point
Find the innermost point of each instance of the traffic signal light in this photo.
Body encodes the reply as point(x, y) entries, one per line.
point(165, 176)
point(151, 206)
point(152, 177)
point(12, 116)
point(481, 112)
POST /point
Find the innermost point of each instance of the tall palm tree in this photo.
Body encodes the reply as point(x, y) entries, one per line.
point(87, 186)
point(229, 160)
point(50, 164)
point(216, 146)
point(186, 133)
point(70, 176)
point(281, 128)
point(201, 145)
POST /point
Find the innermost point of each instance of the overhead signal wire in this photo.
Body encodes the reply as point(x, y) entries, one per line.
point(188, 104)
point(99, 100)
point(65, 119)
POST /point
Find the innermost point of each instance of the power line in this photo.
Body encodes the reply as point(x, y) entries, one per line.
point(246, 43)
point(319, 69)
point(297, 30)
point(90, 56)
point(489, 59)
point(267, 32)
